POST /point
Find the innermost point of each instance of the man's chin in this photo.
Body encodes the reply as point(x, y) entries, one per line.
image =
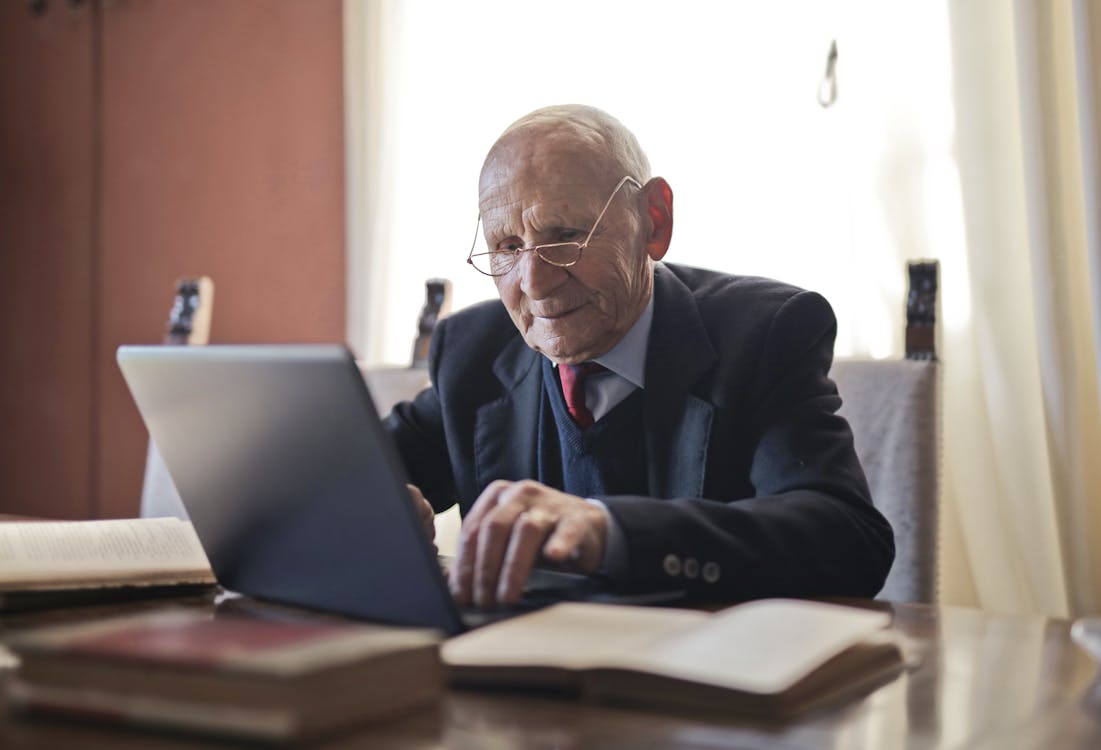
point(566, 343)
point(565, 353)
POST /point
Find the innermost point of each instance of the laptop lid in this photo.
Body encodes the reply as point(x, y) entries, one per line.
point(294, 488)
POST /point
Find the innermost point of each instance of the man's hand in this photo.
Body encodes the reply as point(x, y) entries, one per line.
point(510, 527)
point(424, 512)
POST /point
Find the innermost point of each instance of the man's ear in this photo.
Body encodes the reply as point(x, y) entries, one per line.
point(659, 207)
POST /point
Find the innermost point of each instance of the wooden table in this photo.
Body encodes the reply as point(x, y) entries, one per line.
point(981, 680)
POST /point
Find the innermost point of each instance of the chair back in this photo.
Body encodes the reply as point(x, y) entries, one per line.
point(188, 323)
point(893, 409)
point(390, 384)
point(437, 304)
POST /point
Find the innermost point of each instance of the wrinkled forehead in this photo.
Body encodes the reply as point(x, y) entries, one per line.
point(545, 167)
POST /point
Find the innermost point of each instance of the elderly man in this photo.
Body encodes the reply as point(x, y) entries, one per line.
point(666, 426)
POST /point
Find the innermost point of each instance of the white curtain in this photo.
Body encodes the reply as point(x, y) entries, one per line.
point(963, 131)
point(1023, 426)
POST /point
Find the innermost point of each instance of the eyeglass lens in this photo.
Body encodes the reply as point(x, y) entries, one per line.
point(499, 263)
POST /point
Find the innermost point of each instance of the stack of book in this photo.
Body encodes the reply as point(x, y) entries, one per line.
point(226, 674)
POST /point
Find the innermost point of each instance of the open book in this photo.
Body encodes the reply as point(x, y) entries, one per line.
point(771, 658)
point(48, 563)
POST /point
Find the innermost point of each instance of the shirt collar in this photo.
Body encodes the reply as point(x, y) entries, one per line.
point(628, 358)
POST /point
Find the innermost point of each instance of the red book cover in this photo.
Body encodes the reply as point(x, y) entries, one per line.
point(226, 673)
point(192, 641)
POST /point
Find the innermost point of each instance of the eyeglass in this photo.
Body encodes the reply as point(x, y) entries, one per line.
point(560, 254)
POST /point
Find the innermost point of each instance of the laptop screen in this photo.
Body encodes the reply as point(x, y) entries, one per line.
point(293, 486)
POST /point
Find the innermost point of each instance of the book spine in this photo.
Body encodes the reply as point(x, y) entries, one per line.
point(272, 725)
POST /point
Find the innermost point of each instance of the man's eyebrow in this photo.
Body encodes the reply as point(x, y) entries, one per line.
point(538, 218)
point(545, 220)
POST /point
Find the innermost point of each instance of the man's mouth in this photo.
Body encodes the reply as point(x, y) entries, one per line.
point(557, 314)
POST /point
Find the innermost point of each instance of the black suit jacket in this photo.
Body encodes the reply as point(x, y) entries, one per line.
point(754, 487)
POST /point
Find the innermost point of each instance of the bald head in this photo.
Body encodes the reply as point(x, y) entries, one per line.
point(542, 137)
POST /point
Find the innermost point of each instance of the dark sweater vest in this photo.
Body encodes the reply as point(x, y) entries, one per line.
point(607, 459)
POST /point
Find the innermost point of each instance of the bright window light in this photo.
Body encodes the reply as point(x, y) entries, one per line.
point(723, 97)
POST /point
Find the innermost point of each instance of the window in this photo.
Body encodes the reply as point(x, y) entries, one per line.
point(723, 97)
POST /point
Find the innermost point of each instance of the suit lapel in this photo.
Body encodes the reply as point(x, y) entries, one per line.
point(678, 423)
point(505, 441)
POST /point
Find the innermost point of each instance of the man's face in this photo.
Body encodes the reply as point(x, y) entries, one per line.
point(536, 191)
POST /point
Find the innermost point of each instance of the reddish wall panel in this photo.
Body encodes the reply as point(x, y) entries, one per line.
point(223, 155)
point(47, 316)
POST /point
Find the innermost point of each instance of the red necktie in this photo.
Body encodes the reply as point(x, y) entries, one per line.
point(573, 388)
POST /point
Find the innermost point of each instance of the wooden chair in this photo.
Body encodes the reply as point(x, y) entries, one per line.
point(893, 408)
point(188, 323)
point(389, 385)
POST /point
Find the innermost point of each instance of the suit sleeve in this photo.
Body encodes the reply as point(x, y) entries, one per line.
point(417, 428)
point(808, 528)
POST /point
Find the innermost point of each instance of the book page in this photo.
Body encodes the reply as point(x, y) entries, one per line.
point(54, 554)
point(570, 635)
point(759, 647)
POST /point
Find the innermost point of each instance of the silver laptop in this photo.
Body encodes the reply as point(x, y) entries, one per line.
point(295, 489)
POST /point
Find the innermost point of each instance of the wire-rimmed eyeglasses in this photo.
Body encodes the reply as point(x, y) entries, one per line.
point(499, 262)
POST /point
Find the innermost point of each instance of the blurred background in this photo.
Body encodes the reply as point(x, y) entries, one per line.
point(319, 160)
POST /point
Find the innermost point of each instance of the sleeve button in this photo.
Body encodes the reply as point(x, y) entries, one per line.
point(711, 572)
point(691, 567)
point(672, 565)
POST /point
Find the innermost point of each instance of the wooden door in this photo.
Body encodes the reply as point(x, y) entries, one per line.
point(47, 258)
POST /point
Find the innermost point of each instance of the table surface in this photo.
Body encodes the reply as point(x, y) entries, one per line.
point(978, 680)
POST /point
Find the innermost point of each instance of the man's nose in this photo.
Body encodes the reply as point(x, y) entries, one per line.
point(538, 279)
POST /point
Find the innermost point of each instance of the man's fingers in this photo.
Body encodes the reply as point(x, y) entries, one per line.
point(573, 545)
point(461, 573)
point(486, 501)
point(528, 532)
point(512, 525)
point(493, 540)
point(424, 510)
